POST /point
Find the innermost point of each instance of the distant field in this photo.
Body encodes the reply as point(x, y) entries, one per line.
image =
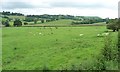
point(57, 22)
point(38, 48)
point(17, 17)
point(62, 23)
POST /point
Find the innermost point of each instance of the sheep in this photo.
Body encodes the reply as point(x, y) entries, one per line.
point(103, 34)
point(98, 35)
point(40, 33)
point(81, 34)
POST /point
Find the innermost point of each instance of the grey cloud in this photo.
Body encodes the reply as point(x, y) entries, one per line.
point(19, 5)
point(119, 9)
point(14, 5)
point(77, 5)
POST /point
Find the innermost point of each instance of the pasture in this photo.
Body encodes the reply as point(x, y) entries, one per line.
point(38, 48)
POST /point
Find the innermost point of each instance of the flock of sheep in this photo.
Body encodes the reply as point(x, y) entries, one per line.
point(99, 35)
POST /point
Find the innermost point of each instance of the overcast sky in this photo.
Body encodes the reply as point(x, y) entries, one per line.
point(101, 8)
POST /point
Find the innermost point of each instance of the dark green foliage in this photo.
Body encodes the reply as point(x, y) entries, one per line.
point(48, 20)
point(35, 20)
point(87, 21)
point(6, 23)
point(5, 17)
point(114, 24)
point(25, 23)
point(3, 22)
point(42, 20)
point(17, 23)
point(107, 49)
point(118, 46)
point(29, 19)
point(109, 54)
point(8, 13)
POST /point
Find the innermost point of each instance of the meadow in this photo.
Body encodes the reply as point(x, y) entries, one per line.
point(61, 48)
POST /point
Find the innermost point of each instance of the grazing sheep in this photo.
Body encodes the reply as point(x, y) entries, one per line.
point(81, 34)
point(98, 35)
point(105, 34)
point(40, 33)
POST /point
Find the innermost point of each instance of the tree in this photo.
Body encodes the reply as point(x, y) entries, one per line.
point(114, 24)
point(25, 23)
point(35, 20)
point(42, 20)
point(7, 23)
point(17, 22)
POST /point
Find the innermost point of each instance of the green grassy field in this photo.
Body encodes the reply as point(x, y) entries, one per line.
point(17, 17)
point(38, 48)
point(57, 22)
point(61, 23)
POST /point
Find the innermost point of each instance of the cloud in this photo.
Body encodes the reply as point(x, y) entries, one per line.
point(89, 4)
point(102, 8)
point(77, 5)
point(15, 5)
point(86, 4)
point(119, 9)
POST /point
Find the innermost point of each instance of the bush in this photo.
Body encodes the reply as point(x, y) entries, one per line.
point(29, 19)
point(109, 57)
point(17, 23)
point(42, 20)
point(84, 22)
point(48, 20)
point(7, 23)
point(35, 21)
point(114, 24)
point(25, 23)
point(3, 22)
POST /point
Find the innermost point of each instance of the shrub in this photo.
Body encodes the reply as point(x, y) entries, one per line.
point(29, 19)
point(42, 20)
point(114, 24)
point(109, 57)
point(35, 20)
point(25, 23)
point(17, 23)
point(7, 23)
point(3, 22)
point(48, 20)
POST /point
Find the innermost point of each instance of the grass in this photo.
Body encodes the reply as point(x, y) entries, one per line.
point(57, 22)
point(17, 17)
point(61, 23)
point(37, 48)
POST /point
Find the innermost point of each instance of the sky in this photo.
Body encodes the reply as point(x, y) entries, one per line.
point(101, 8)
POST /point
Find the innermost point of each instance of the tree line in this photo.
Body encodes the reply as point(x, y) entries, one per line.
point(113, 24)
point(11, 13)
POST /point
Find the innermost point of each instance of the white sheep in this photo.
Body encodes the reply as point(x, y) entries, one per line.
point(98, 35)
point(40, 33)
point(105, 34)
point(81, 34)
